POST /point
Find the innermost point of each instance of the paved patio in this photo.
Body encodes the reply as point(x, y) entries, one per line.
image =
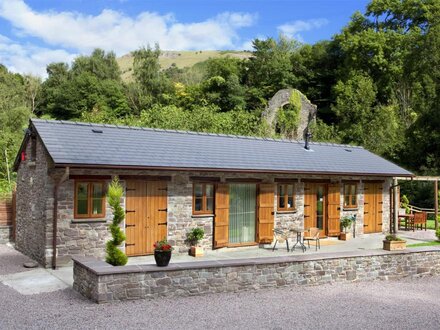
point(330, 245)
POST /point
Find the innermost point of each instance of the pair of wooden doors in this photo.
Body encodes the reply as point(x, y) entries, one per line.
point(264, 218)
point(373, 207)
point(146, 216)
point(322, 207)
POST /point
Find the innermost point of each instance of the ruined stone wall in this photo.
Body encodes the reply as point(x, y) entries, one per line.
point(103, 283)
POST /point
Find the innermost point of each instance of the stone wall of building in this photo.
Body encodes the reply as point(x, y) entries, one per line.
point(34, 188)
point(77, 237)
point(87, 237)
point(102, 283)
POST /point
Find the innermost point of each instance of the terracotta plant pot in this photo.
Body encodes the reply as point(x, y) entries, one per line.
point(162, 258)
point(345, 236)
point(196, 251)
point(394, 245)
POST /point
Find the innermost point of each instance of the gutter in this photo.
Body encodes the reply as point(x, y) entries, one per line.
point(228, 170)
point(64, 178)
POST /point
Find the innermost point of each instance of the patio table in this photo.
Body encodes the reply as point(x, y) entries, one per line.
point(405, 217)
point(299, 240)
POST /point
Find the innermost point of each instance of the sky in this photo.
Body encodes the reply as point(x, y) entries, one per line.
point(34, 33)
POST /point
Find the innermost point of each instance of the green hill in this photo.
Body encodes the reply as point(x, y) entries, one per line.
point(180, 58)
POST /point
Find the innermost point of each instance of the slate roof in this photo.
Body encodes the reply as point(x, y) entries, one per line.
point(72, 143)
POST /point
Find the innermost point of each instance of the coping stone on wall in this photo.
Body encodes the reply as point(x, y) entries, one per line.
point(102, 268)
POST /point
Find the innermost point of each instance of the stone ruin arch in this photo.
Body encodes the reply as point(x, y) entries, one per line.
point(307, 114)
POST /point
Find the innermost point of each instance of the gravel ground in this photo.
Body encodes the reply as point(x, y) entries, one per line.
point(405, 304)
point(11, 261)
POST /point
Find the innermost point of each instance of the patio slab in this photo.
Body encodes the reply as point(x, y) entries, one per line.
point(363, 242)
point(36, 281)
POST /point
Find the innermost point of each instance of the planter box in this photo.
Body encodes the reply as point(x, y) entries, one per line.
point(394, 245)
point(196, 251)
point(345, 236)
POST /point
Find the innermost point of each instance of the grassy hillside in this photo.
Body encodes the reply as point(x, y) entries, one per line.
point(180, 58)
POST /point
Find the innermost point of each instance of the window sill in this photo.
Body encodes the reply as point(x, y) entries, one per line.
point(97, 220)
point(287, 212)
point(350, 209)
point(208, 215)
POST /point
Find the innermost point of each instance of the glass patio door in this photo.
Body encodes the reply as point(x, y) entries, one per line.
point(242, 210)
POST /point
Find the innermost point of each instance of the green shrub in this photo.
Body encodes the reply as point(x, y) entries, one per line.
point(115, 256)
point(437, 233)
point(346, 223)
point(392, 237)
point(405, 204)
point(195, 235)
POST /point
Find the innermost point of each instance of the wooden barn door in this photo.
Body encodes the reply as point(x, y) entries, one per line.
point(265, 213)
point(373, 207)
point(135, 216)
point(146, 216)
point(221, 221)
point(156, 224)
point(309, 205)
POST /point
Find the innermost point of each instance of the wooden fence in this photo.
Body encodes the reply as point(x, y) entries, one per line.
point(7, 213)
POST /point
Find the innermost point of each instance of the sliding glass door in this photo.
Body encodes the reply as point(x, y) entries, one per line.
point(242, 209)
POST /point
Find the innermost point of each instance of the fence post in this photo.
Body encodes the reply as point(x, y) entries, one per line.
point(436, 204)
point(14, 214)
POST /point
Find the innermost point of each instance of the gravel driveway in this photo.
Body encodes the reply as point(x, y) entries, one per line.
point(405, 304)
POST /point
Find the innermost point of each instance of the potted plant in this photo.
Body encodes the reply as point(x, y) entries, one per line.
point(162, 252)
point(345, 224)
point(393, 243)
point(194, 237)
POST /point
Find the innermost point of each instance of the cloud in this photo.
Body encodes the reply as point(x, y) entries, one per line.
point(65, 34)
point(113, 30)
point(293, 29)
point(30, 59)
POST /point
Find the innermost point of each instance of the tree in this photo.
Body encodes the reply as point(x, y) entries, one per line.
point(150, 85)
point(32, 86)
point(115, 256)
point(14, 116)
point(361, 119)
point(269, 69)
point(92, 84)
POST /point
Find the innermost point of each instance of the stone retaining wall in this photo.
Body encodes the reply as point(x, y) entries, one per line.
point(102, 282)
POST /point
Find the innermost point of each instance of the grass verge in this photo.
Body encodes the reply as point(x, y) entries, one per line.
point(432, 243)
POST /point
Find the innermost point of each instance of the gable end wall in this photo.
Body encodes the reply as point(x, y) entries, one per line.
point(34, 188)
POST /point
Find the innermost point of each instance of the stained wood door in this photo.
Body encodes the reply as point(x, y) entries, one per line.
point(309, 205)
point(265, 213)
point(373, 202)
point(322, 207)
point(333, 209)
point(315, 207)
point(146, 216)
point(221, 220)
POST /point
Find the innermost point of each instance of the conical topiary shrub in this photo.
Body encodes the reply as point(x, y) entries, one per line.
point(115, 256)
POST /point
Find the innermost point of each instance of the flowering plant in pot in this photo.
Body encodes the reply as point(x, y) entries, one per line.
point(194, 237)
point(162, 252)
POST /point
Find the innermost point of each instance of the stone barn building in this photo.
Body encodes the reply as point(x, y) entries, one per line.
point(236, 188)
